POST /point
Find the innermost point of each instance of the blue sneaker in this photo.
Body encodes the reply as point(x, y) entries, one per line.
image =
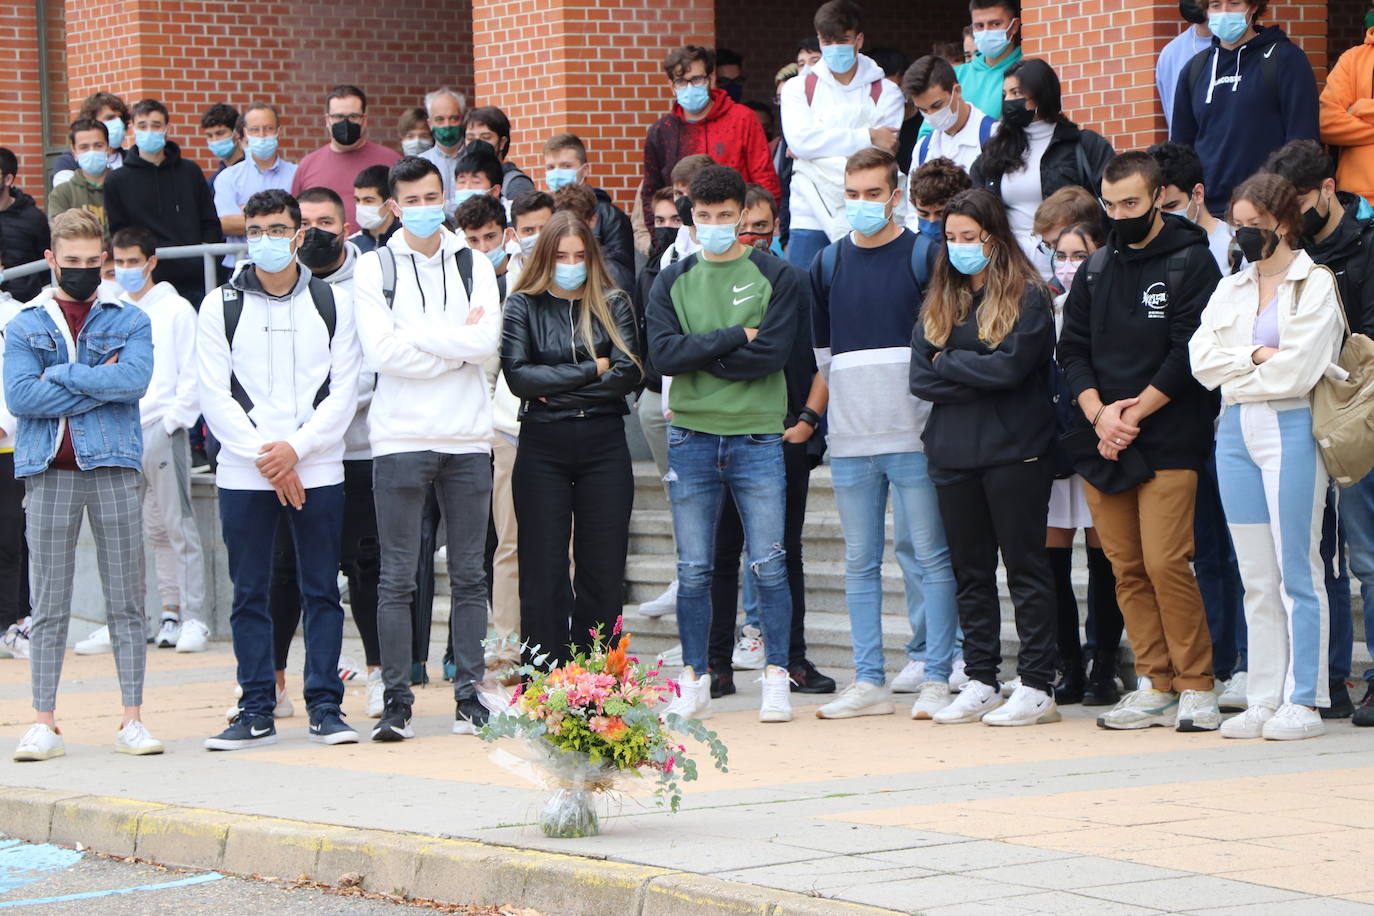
point(328, 727)
point(244, 732)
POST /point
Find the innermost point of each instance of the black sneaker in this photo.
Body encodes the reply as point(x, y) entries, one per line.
point(469, 716)
point(328, 727)
point(1071, 688)
point(244, 732)
point(1341, 706)
point(394, 724)
point(1364, 716)
point(1101, 691)
point(806, 679)
point(722, 682)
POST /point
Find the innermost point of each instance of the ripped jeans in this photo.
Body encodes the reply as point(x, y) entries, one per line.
point(700, 468)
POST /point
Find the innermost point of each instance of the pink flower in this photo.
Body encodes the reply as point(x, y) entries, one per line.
point(619, 622)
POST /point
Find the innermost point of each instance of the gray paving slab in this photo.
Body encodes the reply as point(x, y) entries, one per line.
point(1192, 892)
point(1077, 872)
point(1311, 906)
point(917, 895)
point(971, 855)
point(1064, 903)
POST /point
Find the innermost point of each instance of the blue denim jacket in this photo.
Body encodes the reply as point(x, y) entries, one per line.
point(46, 392)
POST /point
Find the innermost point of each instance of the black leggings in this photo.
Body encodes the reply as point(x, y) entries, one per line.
point(14, 549)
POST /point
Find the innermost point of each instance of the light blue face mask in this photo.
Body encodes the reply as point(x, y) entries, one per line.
point(560, 178)
point(94, 162)
point(115, 128)
point(569, 276)
point(1228, 26)
point(263, 147)
point(868, 217)
point(991, 43)
point(693, 98)
point(967, 257)
point(222, 149)
point(423, 221)
point(463, 195)
point(839, 58)
point(131, 279)
point(717, 239)
point(931, 228)
point(150, 141)
point(272, 255)
point(497, 256)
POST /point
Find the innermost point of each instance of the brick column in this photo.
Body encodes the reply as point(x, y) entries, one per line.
point(1105, 54)
point(587, 66)
point(19, 89)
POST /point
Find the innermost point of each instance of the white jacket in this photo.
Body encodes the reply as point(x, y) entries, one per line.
point(171, 399)
point(356, 444)
point(431, 392)
point(823, 134)
point(282, 354)
point(1311, 331)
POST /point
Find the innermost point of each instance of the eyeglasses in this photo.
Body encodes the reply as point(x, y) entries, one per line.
point(1076, 257)
point(696, 82)
point(1045, 248)
point(354, 118)
point(274, 231)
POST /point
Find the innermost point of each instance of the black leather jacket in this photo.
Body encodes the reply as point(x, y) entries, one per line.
point(548, 368)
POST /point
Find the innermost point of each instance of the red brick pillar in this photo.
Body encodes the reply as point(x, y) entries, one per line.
point(592, 67)
point(19, 89)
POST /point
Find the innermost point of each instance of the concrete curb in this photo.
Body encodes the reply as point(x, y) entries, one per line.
point(451, 871)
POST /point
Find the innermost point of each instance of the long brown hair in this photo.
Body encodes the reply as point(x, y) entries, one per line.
point(1008, 274)
point(597, 291)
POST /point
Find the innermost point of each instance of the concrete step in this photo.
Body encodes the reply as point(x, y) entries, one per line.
point(651, 533)
point(649, 493)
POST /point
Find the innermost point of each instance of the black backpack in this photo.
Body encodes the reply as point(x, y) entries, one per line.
point(320, 293)
point(386, 258)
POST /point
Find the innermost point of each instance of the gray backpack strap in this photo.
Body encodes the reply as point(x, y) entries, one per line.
point(322, 295)
point(232, 302)
point(463, 260)
point(387, 259)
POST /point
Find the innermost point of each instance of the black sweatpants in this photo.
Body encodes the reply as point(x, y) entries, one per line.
point(729, 547)
point(572, 480)
point(1004, 508)
point(14, 549)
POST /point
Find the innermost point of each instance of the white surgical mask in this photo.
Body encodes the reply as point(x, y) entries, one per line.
point(369, 217)
point(945, 118)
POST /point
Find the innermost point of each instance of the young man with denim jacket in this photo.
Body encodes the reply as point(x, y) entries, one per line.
point(75, 368)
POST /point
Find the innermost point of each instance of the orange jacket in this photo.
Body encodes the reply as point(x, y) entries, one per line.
point(1347, 117)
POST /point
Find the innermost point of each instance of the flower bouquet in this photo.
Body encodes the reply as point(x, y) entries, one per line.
point(594, 722)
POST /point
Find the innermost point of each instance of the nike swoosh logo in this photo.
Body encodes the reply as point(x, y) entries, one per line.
point(258, 734)
point(740, 289)
point(742, 301)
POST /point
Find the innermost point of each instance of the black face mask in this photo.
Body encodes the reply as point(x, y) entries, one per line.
point(1314, 222)
point(733, 88)
point(1191, 12)
point(1016, 114)
point(319, 248)
point(663, 237)
point(1255, 243)
point(684, 210)
point(78, 282)
point(1133, 229)
point(346, 133)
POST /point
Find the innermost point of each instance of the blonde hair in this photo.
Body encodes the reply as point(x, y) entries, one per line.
point(597, 291)
point(75, 224)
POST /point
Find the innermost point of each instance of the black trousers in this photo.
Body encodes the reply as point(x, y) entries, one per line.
point(729, 547)
point(14, 548)
point(1004, 508)
point(572, 481)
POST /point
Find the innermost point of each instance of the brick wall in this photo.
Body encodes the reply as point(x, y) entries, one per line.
point(584, 66)
point(20, 127)
point(191, 53)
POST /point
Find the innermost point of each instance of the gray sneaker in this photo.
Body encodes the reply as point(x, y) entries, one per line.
point(1142, 708)
point(1198, 711)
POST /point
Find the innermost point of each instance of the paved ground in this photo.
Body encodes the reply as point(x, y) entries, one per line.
point(942, 820)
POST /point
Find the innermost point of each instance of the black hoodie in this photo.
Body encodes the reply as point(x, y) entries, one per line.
point(1349, 252)
point(23, 238)
point(172, 200)
point(1130, 330)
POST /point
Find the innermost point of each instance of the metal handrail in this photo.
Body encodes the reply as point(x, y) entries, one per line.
point(209, 252)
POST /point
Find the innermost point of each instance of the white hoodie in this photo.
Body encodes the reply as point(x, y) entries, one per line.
point(431, 392)
point(823, 134)
point(281, 355)
point(171, 398)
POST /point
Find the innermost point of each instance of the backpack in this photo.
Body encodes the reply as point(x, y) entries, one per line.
point(923, 147)
point(1174, 271)
point(875, 88)
point(1269, 68)
point(923, 253)
point(1341, 407)
point(386, 258)
point(321, 294)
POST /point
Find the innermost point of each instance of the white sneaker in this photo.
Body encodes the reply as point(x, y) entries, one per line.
point(98, 643)
point(934, 697)
point(348, 668)
point(958, 678)
point(134, 739)
point(975, 701)
point(671, 658)
point(342, 583)
point(195, 637)
point(910, 678)
point(663, 605)
point(1249, 724)
point(168, 632)
point(1142, 708)
point(39, 743)
point(1026, 706)
point(777, 695)
point(748, 654)
point(694, 697)
point(16, 639)
point(1011, 687)
point(858, 699)
point(284, 709)
point(1233, 697)
point(376, 694)
point(1198, 711)
point(1293, 723)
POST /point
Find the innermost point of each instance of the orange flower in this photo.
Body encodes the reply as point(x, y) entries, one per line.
point(612, 728)
point(616, 661)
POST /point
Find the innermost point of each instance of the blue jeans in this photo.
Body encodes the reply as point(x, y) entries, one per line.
point(248, 518)
point(861, 491)
point(803, 245)
point(1337, 580)
point(1357, 524)
point(1218, 576)
point(700, 468)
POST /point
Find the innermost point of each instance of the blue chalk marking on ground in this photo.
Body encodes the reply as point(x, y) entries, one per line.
point(89, 895)
point(23, 863)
